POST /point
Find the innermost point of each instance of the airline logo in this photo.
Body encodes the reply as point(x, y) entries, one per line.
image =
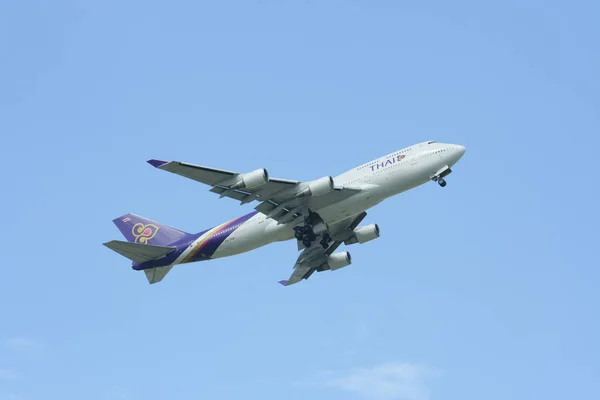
point(143, 233)
point(387, 162)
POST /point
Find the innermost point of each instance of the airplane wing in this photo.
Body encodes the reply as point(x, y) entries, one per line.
point(315, 257)
point(281, 199)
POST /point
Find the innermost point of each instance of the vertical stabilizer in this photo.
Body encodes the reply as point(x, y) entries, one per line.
point(141, 230)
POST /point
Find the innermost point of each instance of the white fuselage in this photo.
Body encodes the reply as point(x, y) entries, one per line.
point(378, 180)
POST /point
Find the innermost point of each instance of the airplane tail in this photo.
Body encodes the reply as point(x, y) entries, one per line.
point(146, 241)
point(141, 230)
point(139, 253)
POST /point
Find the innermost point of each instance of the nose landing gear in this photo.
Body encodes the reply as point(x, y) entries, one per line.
point(440, 175)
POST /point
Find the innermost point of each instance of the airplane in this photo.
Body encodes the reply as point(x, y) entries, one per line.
point(320, 214)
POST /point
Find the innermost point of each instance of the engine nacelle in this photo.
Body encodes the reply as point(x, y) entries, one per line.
point(321, 186)
point(364, 234)
point(253, 179)
point(339, 260)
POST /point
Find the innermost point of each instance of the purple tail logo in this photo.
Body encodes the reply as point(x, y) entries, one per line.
point(143, 233)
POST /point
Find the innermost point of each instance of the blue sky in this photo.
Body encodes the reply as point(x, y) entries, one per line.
point(484, 289)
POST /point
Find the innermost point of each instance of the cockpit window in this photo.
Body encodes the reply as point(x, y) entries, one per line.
point(433, 141)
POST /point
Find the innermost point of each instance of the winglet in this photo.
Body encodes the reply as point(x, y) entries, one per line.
point(284, 282)
point(157, 163)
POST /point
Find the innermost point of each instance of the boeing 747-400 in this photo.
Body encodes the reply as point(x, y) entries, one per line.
point(320, 215)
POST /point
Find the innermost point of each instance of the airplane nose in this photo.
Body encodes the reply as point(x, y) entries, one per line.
point(454, 154)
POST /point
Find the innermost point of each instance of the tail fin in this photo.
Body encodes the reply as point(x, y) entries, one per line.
point(138, 229)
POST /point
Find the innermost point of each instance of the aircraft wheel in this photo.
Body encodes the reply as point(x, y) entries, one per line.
point(442, 182)
point(299, 235)
point(306, 242)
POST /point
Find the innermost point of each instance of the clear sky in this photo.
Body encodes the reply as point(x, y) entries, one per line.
point(486, 289)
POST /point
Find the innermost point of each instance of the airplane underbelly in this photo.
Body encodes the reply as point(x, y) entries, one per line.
point(261, 231)
point(257, 234)
point(408, 179)
point(415, 174)
point(371, 196)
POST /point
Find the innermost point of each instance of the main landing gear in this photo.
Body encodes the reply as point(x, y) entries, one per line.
point(325, 241)
point(441, 182)
point(310, 231)
point(305, 234)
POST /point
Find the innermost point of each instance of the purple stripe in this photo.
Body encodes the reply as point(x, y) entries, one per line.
point(207, 251)
point(212, 244)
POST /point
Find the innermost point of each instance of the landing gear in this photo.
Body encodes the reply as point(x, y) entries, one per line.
point(325, 241)
point(313, 227)
point(305, 234)
point(440, 175)
point(306, 242)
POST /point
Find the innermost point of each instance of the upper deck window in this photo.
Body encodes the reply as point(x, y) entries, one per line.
point(433, 141)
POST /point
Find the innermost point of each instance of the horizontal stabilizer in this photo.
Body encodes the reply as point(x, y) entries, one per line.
point(139, 252)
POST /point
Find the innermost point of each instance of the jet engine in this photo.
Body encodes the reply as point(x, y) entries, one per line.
point(253, 179)
point(339, 260)
point(364, 234)
point(321, 186)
